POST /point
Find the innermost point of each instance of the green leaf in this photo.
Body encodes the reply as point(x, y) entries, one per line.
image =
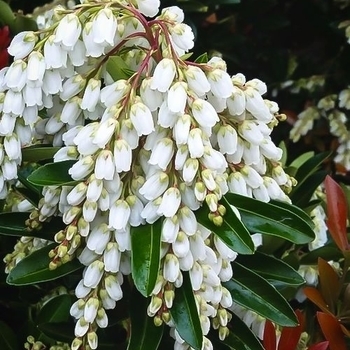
point(283, 160)
point(250, 290)
point(203, 58)
point(8, 338)
point(272, 269)
point(186, 56)
point(232, 231)
point(35, 268)
point(13, 224)
point(145, 256)
point(29, 191)
point(241, 337)
point(118, 69)
point(144, 334)
point(7, 17)
point(38, 152)
point(271, 219)
point(327, 252)
point(298, 162)
point(53, 174)
point(301, 195)
point(55, 310)
point(185, 315)
point(60, 331)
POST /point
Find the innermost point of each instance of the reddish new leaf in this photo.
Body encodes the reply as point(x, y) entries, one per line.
point(332, 331)
point(269, 340)
point(290, 335)
point(315, 296)
point(337, 213)
point(329, 284)
point(319, 346)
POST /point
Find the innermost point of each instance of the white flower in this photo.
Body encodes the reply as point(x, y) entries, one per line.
point(16, 75)
point(119, 215)
point(170, 229)
point(36, 67)
point(111, 257)
point(91, 95)
point(68, 30)
point(141, 118)
point(170, 202)
point(151, 98)
point(166, 118)
point(90, 309)
point(71, 111)
point(250, 131)
point(52, 82)
point(236, 102)
point(177, 97)
point(189, 170)
point(256, 105)
point(113, 288)
point(81, 168)
point(22, 44)
point(171, 269)
point(122, 156)
point(55, 56)
point(220, 83)
point(195, 143)
point(181, 129)
point(105, 167)
point(104, 27)
point(104, 132)
point(148, 7)
point(72, 86)
point(227, 139)
point(162, 153)
point(197, 80)
point(155, 185)
point(92, 48)
point(163, 75)
point(93, 274)
point(182, 35)
point(204, 113)
point(12, 145)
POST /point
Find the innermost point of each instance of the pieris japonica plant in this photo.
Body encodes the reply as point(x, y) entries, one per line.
point(143, 176)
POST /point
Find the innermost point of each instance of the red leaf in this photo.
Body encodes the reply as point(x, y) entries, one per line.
point(332, 331)
point(319, 346)
point(315, 296)
point(337, 213)
point(269, 340)
point(290, 335)
point(329, 284)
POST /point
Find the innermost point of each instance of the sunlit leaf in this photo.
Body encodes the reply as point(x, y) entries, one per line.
point(145, 256)
point(185, 315)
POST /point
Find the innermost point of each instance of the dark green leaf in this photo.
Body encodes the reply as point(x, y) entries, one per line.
point(310, 167)
point(38, 152)
point(327, 252)
point(241, 337)
point(185, 315)
point(55, 310)
point(35, 268)
point(60, 331)
point(144, 334)
point(255, 293)
point(145, 256)
point(271, 219)
point(53, 174)
point(301, 195)
point(29, 191)
point(118, 69)
point(232, 231)
point(274, 270)
point(8, 339)
point(203, 58)
point(13, 224)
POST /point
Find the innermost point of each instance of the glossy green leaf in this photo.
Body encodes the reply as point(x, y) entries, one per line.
point(241, 337)
point(272, 219)
point(327, 252)
point(203, 58)
point(310, 167)
point(60, 331)
point(255, 293)
point(55, 310)
point(29, 191)
point(283, 147)
point(35, 268)
point(8, 338)
point(272, 269)
point(144, 334)
point(13, 224)
point(185, 315)
point(118, 69)
point(53, 174)
point(232, 231)
point(301, 195)
point(145, 256)
point(303, 158)
point(38, 152)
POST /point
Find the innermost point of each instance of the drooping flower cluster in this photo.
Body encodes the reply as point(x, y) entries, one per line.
point(153, 136)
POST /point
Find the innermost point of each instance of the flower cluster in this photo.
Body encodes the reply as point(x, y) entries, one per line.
point(153, 137)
